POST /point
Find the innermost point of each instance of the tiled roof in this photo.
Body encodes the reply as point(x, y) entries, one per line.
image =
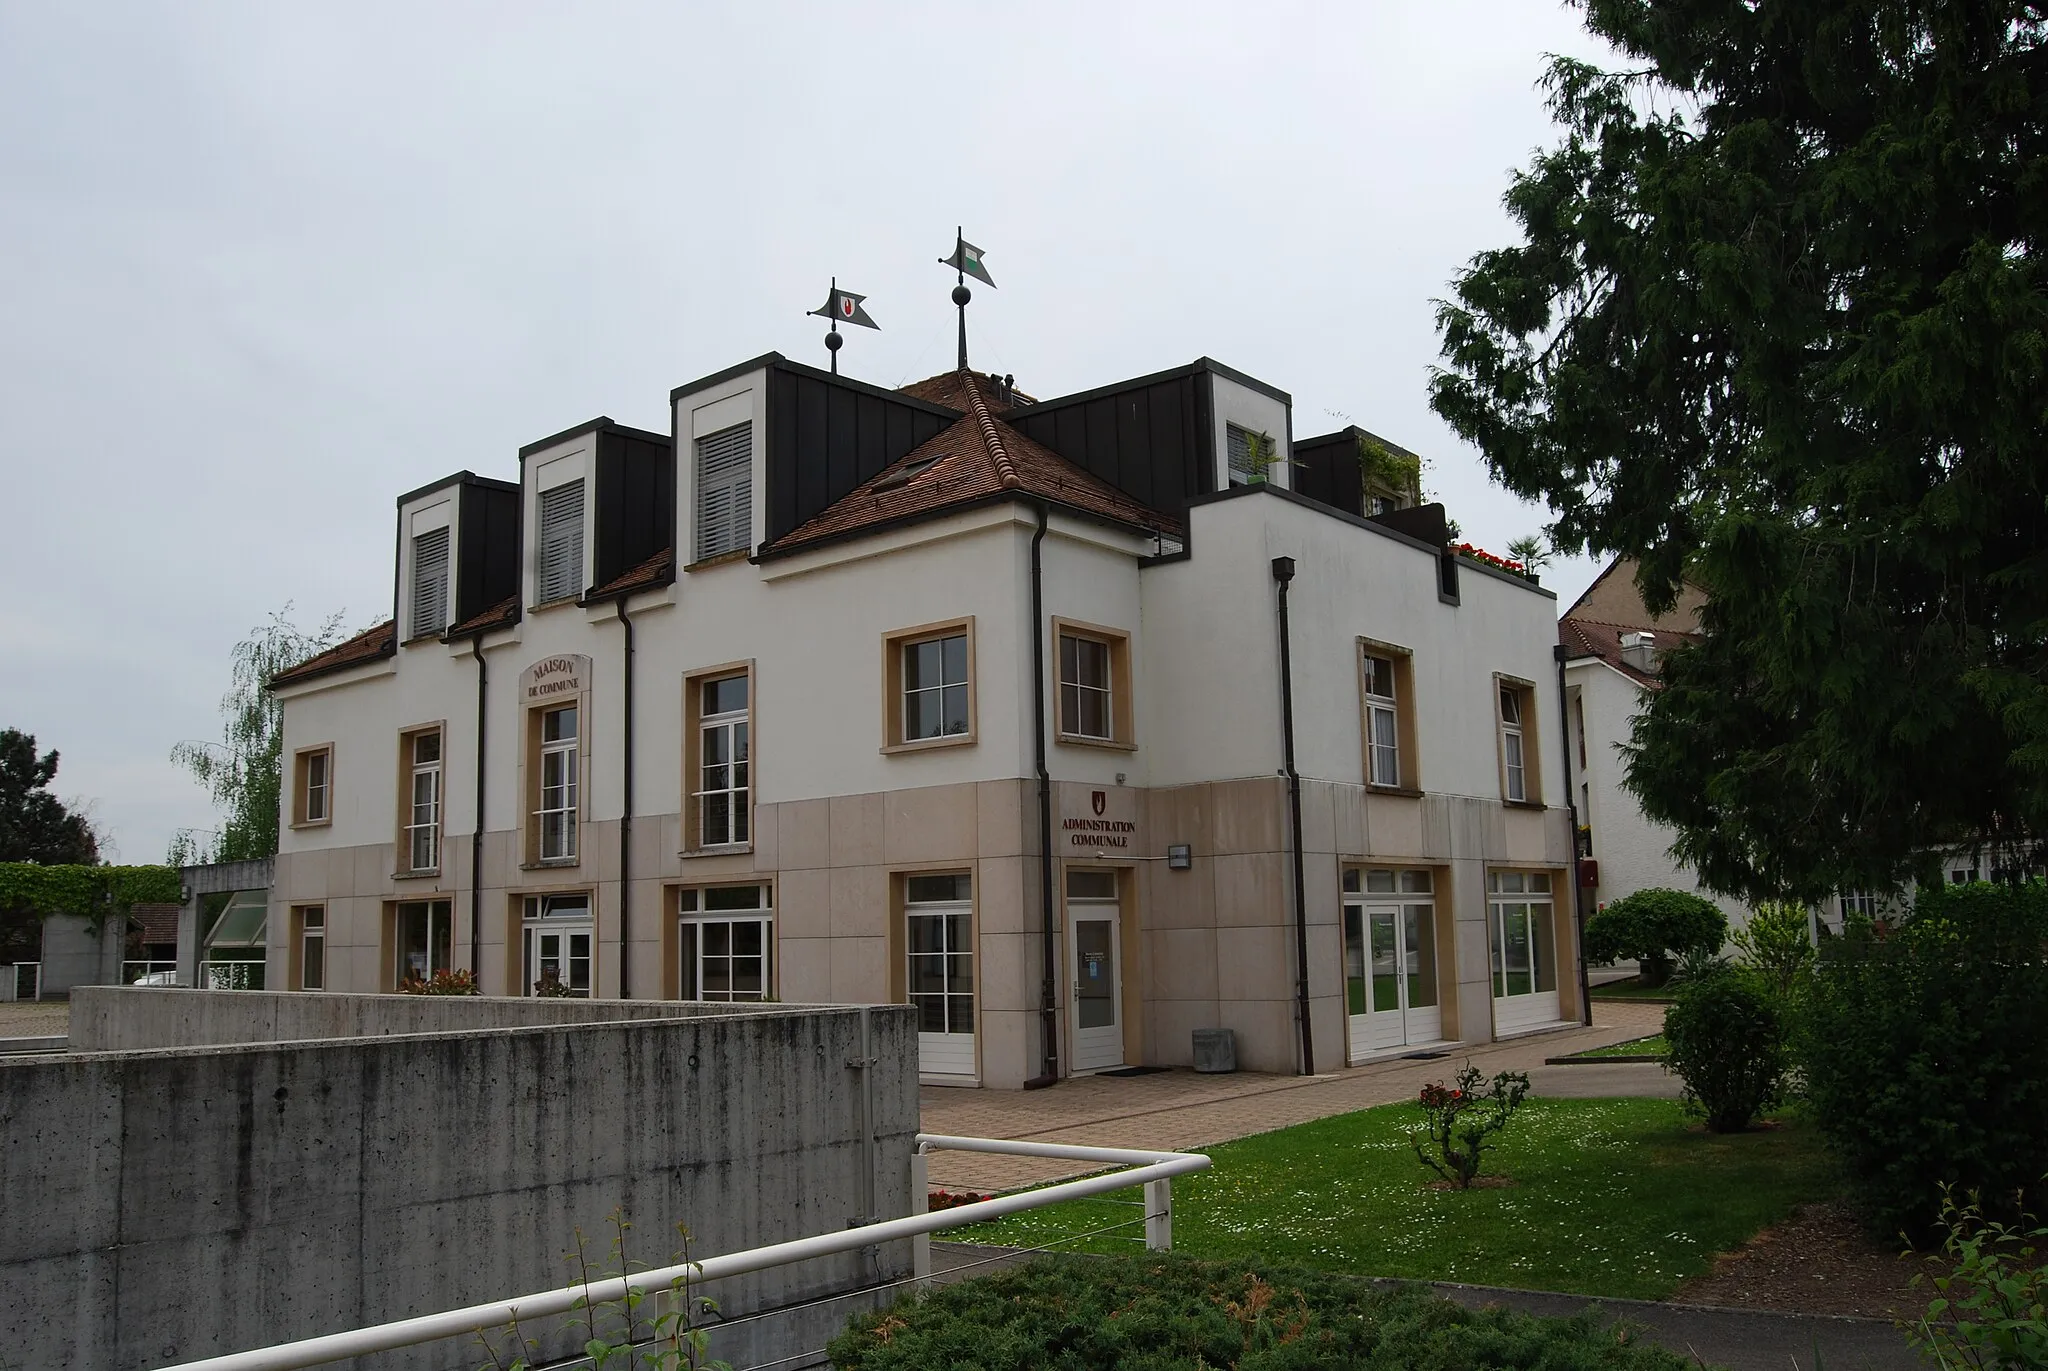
point(367, 646)
point(504, 612)
point(156, 923)
point(657, 570)
point(948, 389)
point(978, 457)
point(1590, 638)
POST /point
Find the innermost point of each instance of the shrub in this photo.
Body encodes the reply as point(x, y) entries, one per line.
point(1925, 1055)
point(1728, 1046)
point(1459, 1119)
point(1777, 944)
point(1163, 1313)
point(1654, 927)
point(459, 982)
point(1992, 1307)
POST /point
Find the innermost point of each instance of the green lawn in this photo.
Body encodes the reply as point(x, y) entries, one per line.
point(1621, 1198)
point(1653, 1046)
point(1633, 989)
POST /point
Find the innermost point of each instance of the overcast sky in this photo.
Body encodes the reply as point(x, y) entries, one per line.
point(263, 267)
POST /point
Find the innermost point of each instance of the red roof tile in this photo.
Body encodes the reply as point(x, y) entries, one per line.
point(974, 459)
point(506, 611)
point(157, 923)
point(949, 390)
point(1591, 638)
point(655, 571)
point(367, 646)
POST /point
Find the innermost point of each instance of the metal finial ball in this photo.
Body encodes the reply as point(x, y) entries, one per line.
point(833, 341)
point(961, 295)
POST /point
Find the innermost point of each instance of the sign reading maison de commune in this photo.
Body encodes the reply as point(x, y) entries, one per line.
point(553, 676)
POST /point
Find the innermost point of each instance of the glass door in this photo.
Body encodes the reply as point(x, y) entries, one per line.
point(560, 936)
point(1095, 947)
point(1520, 918)
point(1390, 973)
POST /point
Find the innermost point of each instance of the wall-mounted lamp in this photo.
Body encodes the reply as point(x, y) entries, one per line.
point(1179, 857)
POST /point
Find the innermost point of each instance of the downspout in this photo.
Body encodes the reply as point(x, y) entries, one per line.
point(626, 809)
point(476, 841)
point(1049, 1014)
point(1571, 809)
point(1283, 572)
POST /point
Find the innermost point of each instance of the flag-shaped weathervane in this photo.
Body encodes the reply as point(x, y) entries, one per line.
point(842, 306)
point(966, 260)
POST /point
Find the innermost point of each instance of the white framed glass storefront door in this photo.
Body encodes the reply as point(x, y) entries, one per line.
point(1390, 971)
point(938, 921)
point(560, 938)
point(1523, 950)
point(1095, 954)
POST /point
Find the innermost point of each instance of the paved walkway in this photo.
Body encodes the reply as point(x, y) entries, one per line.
point(1180, 1109)
point(34, 1019)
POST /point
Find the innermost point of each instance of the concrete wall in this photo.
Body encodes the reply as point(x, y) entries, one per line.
point(78, 952)
point(168, 1205)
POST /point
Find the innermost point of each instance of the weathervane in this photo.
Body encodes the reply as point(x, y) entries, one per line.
point(966, 260)
point(842, 304)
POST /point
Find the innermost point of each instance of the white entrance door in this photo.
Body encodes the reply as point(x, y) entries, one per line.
point(558, 956)
point(1390, 972)
point(1095, 952)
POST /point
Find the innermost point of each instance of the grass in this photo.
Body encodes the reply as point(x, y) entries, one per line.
point(1620, 1198)
point(1634, 989)
point(1653, 1046)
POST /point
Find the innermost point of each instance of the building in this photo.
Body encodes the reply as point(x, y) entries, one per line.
point(948, 696)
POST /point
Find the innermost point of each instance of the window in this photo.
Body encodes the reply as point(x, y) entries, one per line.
point(1517, 752)
point(1859, 904)
point(560, 938)
point(429, 583)
point(938, 919)
point(928, 685)
point(1523, 945)
point(312, 947)
point(721, 765)
point(1382, 722)
point(559, 575)
point(725, 943)
point(1094, 667)
point(1251, 455)
point(313, 786)
point(424, 943)
point(421, 850)
point(725, 491)
point(557, 811)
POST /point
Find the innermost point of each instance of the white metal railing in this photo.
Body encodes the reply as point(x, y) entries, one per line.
point(131, 972)
point(1154, 1170)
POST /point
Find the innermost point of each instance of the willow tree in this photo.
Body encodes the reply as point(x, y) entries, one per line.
point(1776, 324)
point(244, 771)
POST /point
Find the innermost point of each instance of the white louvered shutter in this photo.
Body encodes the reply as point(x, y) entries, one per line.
point(430, 582)
point(725, 491)
point(561, 542)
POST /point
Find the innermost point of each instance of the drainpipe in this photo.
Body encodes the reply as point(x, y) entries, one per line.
point(1049, 1014)
point(476, 842)
point(626, 809)
point(1571, 809)
point(1283, 572)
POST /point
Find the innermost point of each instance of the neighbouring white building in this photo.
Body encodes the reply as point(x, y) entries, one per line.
point(948, 696)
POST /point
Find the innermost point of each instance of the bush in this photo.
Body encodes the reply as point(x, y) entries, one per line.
point(1777, 945)
point(1925, 1054)
point(1459, 1119)
point(1164, 1313)
point(1728, 1046)
point(458, 982)
point(1991, 1309)
point(1655, 927)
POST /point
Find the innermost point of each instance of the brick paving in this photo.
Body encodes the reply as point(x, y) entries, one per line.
point(1179, 1110)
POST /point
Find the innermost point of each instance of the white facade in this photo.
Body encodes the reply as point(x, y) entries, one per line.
point(848, 822)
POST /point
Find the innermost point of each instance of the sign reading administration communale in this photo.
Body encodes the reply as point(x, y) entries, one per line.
point(1098, 820)
point(549, 677)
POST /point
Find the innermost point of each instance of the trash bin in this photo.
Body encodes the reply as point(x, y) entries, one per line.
point(1215, 1049)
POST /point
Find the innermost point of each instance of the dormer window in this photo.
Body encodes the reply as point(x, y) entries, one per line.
point(559, 574)
point(1251, 455)
point(429, 583)
point(725, 491)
